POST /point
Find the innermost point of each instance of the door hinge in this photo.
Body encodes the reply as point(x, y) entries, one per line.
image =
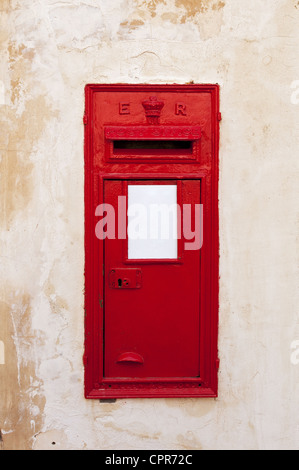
point(219, 116)
point(85, 119)
point(217, 363)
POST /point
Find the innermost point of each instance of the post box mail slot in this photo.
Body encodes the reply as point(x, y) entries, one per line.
point(156, 142)
point(152, 141)
point(151, 240)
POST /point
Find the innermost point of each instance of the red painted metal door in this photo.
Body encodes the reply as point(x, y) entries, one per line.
point(152, 328)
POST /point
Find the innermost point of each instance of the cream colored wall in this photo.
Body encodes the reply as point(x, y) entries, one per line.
point(49, 51)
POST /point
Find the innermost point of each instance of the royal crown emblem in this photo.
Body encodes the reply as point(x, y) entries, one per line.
point(153, 109)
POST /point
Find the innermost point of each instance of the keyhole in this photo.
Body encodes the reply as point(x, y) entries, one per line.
point(119, 282)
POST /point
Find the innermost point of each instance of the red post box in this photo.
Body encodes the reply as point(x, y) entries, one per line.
point(151, 240)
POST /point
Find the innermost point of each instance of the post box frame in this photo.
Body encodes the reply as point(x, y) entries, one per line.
point(96, 385)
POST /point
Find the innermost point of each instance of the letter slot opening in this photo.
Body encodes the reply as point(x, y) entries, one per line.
point(154, 148)
point(152, 142)
point(152, 145)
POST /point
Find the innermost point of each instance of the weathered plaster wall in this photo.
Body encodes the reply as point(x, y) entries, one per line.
point(49, 51)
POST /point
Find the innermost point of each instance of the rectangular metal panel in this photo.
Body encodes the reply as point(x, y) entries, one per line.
point(161, 321)
point(157, 337)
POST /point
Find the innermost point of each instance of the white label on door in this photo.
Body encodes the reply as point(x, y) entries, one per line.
point(152, 221)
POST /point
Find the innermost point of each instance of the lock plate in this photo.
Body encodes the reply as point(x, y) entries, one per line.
point(125, 278)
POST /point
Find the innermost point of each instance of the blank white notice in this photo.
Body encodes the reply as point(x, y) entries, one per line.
point(152, 221)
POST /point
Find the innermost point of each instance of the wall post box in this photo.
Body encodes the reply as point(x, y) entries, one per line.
point(151, 240)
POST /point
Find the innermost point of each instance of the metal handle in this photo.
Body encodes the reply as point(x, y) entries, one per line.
point(130, 357)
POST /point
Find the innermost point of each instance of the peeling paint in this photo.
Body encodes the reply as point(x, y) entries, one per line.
point(18, 140)
point(207, 16)
point(21, 400)
point(193, 7)
point(22, 124)
point(131, 25)
point(5, 5)
point(150, 5)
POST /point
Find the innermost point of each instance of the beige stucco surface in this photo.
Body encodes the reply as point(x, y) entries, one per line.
point(49, 51)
